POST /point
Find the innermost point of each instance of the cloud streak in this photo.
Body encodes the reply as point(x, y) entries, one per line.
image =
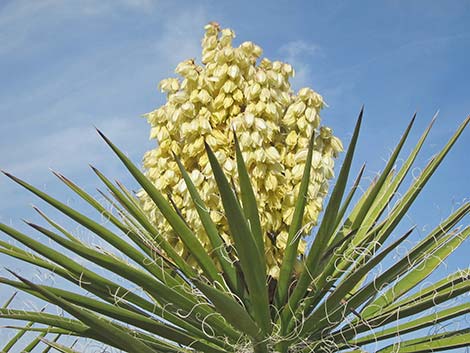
point(48, 115)
point(298, 53)
point(20, 19)
point(68, 149)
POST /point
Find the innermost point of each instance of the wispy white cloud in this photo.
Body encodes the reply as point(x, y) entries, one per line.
point(181, 38)
point(297, 53)
point(141, 4)
point(68, 149)
point(299, 47)
point(50, 124)
point(106, 7)
point(113, 65)
point(20, 19)
point(16, 20)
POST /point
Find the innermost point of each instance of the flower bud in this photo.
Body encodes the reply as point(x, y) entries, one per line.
point(287, 70)
point(261, 76)
point(204, 97)
point(208, 56)
point(255, 90)
point(233, 71)
point(226, 38)
point(273, 154)
point(238, 95)
point(228, 101)
point(170, 85)
point(336, 144)
point(291, 139)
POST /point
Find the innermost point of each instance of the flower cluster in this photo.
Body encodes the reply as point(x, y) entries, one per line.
point(234, 89)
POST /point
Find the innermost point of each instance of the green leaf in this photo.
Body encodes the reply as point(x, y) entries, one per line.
point(324, 233)
point(410, 195)
point(68, 325)
point(191, 242)
point(56, 339)
point(76, 328)
point(59, 347)
point(93, 226)
point(33, 344)
point(175, 295)
point(365, 214)
point(410, 326)
point(383, 198)
point(382, 231)
point(333, 306)
point(421, 271)
point(120, 337)
point(233, 312)
point(217, 243)
point(250, 207)
point(347, 201)
point(414, 306)
point(403, 266)
point(254, 270)
point(365, 211)
point(16, 337)
point(139, 320)
point(89, 280)
point(433, 343)
point(9, 300)
point(153, 234)
point(449, 283)
point(295, 230)
point(389, 189)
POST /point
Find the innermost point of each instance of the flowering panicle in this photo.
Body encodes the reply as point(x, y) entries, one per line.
point(231, 90)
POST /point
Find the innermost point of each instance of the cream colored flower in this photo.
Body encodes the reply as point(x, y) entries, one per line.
point(229, 90)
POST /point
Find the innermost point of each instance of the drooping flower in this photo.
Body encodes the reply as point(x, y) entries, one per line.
point(234, 89)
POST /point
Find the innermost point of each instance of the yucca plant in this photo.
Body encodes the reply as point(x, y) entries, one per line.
point(211, 255)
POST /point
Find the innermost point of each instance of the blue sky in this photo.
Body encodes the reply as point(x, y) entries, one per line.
point(68, 65)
